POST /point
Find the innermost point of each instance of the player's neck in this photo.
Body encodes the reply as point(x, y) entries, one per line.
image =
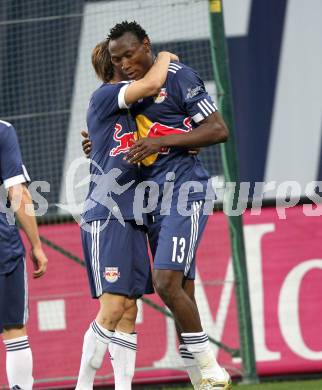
point(151, 62)
point(116, 80)
point(118, 77)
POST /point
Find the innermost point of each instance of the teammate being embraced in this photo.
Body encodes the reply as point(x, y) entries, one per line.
point(16, 199)
point(181, 116)
point(115, 248)
point(164, 125)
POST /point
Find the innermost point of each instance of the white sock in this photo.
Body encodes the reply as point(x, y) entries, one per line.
point(95, 344)
point(19, 363)
point(123, 353)
point(198, 345)
point(190, 365)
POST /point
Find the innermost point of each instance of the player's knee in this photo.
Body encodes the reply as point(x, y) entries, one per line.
point(131, 309)
point(189, 288)
point(166, 286)
point(110, 316)
point(127, 322)
point(112, 308)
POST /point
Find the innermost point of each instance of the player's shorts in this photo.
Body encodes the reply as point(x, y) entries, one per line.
point(174, 239)
point(117, 259)
point(14, 297)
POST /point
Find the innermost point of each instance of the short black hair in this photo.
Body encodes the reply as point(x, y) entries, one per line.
point(132, 27)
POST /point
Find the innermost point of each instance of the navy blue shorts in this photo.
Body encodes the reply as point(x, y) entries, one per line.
point(117, 259)
point(14, 297)
point(174, 239)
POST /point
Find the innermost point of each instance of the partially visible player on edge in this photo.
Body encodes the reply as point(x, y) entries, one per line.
point(116, 256)
point(164, 123)
point(16, 199)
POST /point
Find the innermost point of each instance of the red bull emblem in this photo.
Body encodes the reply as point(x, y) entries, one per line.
point(161, 97)
point(111, 274)
point(125, 141)
point(159, 130)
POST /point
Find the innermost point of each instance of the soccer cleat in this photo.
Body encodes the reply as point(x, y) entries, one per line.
point(214, 384)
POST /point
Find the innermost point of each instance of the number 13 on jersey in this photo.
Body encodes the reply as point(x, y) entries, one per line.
point(178, 252)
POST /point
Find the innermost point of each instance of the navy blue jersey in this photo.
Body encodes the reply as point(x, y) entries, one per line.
point(12, 172)
point(181, 104)
point(113, 180)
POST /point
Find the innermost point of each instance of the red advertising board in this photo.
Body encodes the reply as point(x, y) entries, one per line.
point(284, 260)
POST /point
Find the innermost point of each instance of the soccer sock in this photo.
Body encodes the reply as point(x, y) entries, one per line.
point(95, 344)
point(198, 345)
point(123, 353)
point(19, 363)
point(190, 365)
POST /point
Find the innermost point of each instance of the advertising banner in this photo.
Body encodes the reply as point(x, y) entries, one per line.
point(284, 260)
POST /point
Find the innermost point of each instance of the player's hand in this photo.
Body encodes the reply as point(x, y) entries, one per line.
point(86, 143)
point(143, 148)
point(40, 261)
point(194, 151)
point(174, 57)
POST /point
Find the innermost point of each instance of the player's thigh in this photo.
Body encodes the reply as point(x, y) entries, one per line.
point(15, 307)
point(178, 241)
point(110, 258)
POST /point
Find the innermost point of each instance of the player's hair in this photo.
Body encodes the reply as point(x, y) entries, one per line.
point(101, 62)
point(132, 27)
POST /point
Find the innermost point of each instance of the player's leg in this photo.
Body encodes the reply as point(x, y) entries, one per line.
point(19, 362)
point(109, 257)
point(212, 374)
point(177, 243)
point(171, 266)
point(97, 338)
point(123, 344)
point(189, 362)
point(127, 322)
point(122, 347)
point(168, 284)
point(98, 334)
point(187, 357)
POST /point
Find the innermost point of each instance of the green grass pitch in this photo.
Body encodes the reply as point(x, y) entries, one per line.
point(292, 385)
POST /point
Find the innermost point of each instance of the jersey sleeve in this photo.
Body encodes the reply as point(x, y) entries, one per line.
point(192, 95)
point(109, 99)
point(12, 169)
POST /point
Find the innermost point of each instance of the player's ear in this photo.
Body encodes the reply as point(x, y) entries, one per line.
point(147, 44)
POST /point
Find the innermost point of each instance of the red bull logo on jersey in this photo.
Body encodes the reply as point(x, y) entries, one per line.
point(147, 128)
point(125, 141)
point(111, 274)
point(161, 97)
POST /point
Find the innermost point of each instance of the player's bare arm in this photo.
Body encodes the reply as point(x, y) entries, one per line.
point(21, 203)
point(87, 145)
point(152, 82)
point(212, 130)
